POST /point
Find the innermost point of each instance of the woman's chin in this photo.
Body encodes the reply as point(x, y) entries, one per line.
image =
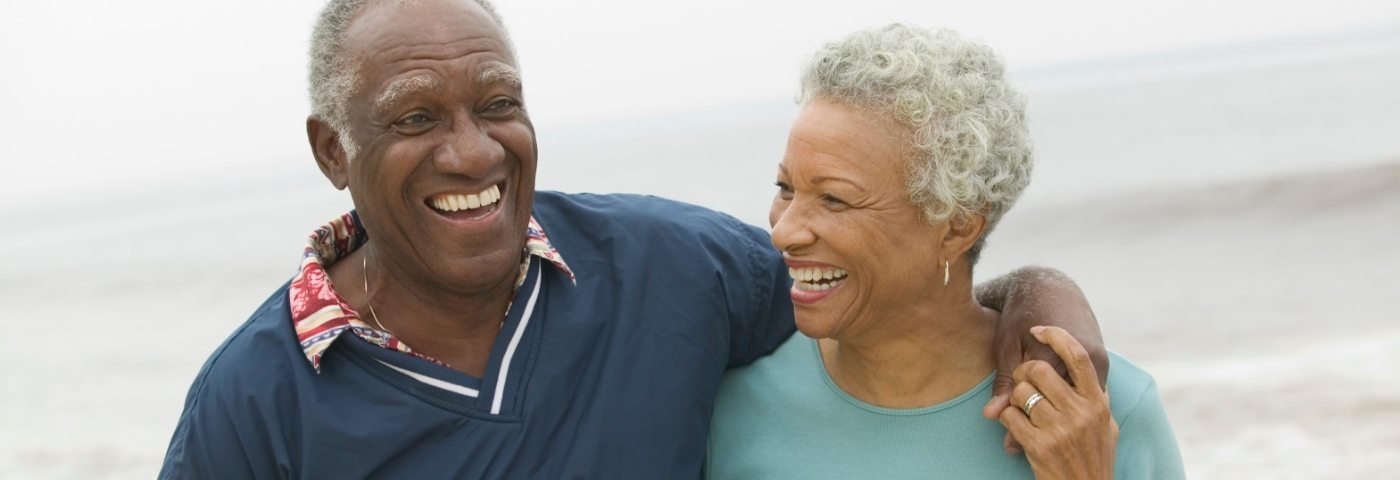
point(815, 329)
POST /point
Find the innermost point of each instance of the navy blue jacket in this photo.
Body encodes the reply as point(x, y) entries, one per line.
point(614, 377)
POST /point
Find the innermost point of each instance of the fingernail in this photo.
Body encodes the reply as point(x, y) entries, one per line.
point(1037, 329)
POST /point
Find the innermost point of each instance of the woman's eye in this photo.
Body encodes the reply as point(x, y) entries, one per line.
point(784, 190)
point(833, 200)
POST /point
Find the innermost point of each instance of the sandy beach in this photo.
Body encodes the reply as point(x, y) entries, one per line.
point(1246, 258)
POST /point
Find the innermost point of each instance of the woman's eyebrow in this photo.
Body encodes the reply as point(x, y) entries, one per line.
point(823, 179)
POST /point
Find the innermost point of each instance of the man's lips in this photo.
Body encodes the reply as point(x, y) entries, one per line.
point(462, 201)
point(466, 208)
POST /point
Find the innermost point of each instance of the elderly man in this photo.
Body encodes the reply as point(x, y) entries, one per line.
point(523, 335)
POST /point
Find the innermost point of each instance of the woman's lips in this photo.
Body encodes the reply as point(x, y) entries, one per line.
point(813, 281)
point(807, 297)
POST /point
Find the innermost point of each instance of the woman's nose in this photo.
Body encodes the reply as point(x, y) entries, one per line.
point(791, 229)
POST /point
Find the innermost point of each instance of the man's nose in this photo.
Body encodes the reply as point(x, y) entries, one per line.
point(469, 150)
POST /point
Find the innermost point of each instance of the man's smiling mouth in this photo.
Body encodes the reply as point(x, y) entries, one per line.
point(462, 202)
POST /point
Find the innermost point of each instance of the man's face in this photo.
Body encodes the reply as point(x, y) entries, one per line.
point(445, 177)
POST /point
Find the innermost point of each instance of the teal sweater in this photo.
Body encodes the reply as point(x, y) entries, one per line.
point(783, 417)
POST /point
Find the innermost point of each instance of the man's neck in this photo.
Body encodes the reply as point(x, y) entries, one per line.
point(454, 327)
point(916, 359)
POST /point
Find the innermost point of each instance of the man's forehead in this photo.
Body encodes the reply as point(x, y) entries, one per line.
point(430, 28)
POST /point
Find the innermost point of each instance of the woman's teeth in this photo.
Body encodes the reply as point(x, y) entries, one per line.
point(456, 202)
point(816, 278)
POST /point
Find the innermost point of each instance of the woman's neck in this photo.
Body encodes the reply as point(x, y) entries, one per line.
point(915, 359)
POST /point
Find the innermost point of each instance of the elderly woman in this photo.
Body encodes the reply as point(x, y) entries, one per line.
point(910, 146)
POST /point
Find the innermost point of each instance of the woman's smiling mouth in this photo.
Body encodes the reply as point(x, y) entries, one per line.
point(816, 278)
point(813, 282)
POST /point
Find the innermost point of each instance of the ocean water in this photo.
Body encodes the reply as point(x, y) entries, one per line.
point(1121, 125)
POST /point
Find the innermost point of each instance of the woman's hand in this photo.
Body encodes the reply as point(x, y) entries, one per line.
point(1070, 432)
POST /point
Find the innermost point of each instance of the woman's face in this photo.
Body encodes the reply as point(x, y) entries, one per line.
point(858, 250)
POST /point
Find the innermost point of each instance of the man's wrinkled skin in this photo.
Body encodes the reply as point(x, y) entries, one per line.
point(439, 109)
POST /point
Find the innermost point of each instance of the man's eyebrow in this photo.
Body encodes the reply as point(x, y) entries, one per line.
point(500, 73)
point(401, 87)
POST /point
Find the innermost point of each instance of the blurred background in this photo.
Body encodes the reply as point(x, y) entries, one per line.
point(1222, 178)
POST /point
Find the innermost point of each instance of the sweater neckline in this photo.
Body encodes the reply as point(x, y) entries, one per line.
point(898, 412)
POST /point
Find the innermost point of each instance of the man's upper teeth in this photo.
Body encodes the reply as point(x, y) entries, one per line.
point(812, 274)
point(454, 202)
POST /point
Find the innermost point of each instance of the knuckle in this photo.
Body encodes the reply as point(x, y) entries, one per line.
point(1022, 390)
point(1040, 368)
point(1102, 410)
point(1022, 372)
point(1079, 357)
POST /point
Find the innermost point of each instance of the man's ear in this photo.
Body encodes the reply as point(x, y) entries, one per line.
point(330, 156)
point(962, 234)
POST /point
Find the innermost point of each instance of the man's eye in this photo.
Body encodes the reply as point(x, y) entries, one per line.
point(415, 119)
point(415, 123)
point(501, 105)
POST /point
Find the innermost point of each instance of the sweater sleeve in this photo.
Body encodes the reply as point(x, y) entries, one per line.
point(1147, 447)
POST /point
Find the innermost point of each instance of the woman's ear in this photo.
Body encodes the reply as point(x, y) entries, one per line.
point(962, 234)
point(330, 155)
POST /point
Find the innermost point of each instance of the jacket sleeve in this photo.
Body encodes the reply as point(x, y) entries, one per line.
point(760, 308)
point(224, 433)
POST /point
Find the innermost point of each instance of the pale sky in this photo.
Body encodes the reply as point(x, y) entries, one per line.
point(101, 96)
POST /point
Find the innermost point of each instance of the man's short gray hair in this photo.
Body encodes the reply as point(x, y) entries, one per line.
point(970, 143)
point(333, 75)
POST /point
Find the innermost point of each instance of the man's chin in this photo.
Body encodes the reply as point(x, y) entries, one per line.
point(478, 274)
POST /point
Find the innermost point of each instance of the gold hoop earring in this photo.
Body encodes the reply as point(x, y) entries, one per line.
point(945, 272)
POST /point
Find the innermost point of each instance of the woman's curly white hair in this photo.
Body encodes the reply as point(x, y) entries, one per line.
point(972, 151)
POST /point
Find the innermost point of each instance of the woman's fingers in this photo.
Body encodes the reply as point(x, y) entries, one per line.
point(1081, 367)
point(1018, 427)
point(1046, 380)
point(1043, 410)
